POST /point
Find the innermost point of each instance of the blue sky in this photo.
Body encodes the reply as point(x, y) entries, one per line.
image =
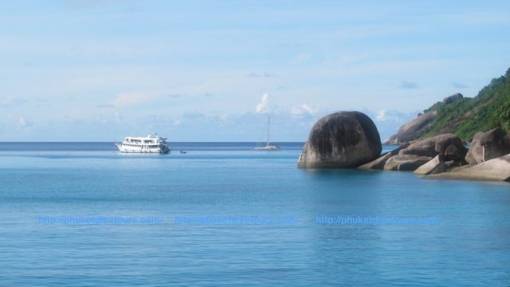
point(196, 70)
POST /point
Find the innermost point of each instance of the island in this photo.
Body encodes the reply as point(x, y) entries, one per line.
point(458, 137)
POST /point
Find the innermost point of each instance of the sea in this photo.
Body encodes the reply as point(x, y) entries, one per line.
point(223, 214)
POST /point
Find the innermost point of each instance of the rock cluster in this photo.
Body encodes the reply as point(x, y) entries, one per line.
point(405, 162)
point(381, 161)
point(497, 169)
point(448, 148)
point(488, 157)
point(350, 139)
point(419, 126)
point(413, 129)
point(488, 145)
point(453, 98)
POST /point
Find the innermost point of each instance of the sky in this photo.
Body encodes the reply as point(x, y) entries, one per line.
point(212, 70)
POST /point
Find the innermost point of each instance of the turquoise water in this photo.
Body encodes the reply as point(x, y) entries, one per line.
point(225, 215)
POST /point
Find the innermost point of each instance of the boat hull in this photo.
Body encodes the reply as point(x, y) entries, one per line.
point(142, 149)
point(267, 148)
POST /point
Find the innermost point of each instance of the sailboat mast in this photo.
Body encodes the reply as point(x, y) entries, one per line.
point(268, 125)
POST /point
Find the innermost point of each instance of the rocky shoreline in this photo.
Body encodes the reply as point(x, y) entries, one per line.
point(351, 140)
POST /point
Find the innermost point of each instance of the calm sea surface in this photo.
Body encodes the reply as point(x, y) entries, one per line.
point(81, 214)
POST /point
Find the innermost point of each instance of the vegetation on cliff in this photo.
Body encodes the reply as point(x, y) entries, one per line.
point(465, 116)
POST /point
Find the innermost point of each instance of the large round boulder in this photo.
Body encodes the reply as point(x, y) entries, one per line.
point(341, 140)
point(488, 145)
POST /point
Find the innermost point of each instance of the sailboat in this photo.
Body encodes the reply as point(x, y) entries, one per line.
point(268, 146)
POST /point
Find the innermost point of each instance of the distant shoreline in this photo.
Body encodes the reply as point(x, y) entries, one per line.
point(201, 142)
point(110, 146)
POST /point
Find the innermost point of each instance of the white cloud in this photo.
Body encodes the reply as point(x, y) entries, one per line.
point(409, 85)
point(7, 102)
point(392, 116)
point(177, 122)
point(302, 58)
point(381, 116)
point(131, 99)
point(260, 75)
point(477, 18)
point(263, 104)
point(303, 109)
point(23, 123)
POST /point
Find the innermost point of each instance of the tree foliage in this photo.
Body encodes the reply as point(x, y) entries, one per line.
point(464, 117)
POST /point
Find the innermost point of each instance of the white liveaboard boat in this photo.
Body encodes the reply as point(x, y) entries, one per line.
point(268, 146)
point(148, 144)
